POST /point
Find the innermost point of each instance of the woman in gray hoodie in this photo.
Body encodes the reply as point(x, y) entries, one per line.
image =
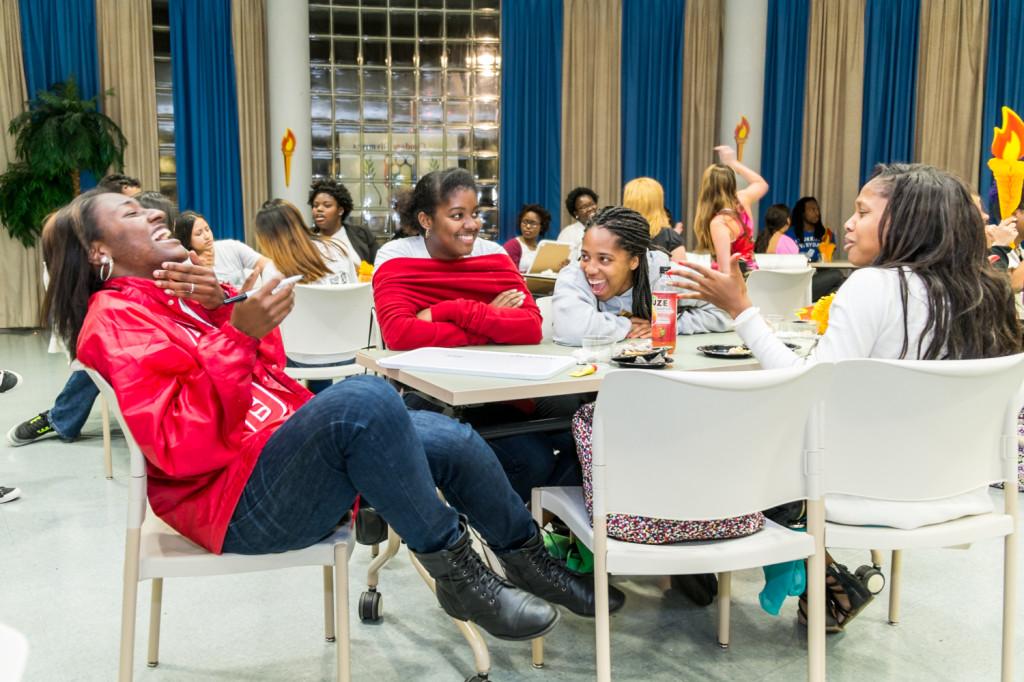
point(608, 291)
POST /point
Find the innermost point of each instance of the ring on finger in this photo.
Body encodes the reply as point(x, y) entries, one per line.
point(192, 288)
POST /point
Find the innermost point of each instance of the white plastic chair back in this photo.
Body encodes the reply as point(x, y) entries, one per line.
point(915, 430)
point(781, 261)
point(780, 292)
point(137, 464)
point(744, 451)
point(331, 321)
point(547, 320)
point(13, 653)
point(699, 258)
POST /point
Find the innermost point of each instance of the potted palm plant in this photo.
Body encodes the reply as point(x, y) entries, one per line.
point(56, 139)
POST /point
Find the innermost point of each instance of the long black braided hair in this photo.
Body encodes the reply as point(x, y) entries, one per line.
point(633, 235)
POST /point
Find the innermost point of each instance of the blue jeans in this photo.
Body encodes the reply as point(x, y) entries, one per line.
point(317, 385)
point(72, 407)
point(357, 436)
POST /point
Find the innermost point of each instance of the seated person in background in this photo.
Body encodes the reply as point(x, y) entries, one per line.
point(999, 238)
point(722, 224)
point(773, 237)
point(282, 235)
point(119, 183)
point(73, 404)
point(608, 293)
point(532, 223)
point(581, 203)
point(229, 258)
point(332, 204)
point(809, 233)
point(924, 291)
point(647, 197)
point(444, 286)
point(242, 459)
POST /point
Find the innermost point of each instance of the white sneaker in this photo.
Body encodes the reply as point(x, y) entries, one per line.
point(8, 494)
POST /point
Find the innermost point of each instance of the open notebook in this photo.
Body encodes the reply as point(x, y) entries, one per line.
point(483, 363)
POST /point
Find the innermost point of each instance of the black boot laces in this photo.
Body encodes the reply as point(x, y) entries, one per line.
point(550, 568)
point(481, 579)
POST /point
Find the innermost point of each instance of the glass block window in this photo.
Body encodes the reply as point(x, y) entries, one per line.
point(164, 101)
point(400, 88)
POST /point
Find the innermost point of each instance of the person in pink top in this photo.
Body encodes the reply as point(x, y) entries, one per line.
point(723, 225)
point(773, 238)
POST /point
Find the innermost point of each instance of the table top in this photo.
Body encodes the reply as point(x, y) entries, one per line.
point(833, 265)
point(460, 390)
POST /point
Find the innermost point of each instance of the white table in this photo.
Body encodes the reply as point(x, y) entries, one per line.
point(460, 390)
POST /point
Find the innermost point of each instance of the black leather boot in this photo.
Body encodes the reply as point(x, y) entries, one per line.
point(533, 569)
point(468, 590)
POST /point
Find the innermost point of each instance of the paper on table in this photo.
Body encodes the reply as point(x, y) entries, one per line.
point(485, 363)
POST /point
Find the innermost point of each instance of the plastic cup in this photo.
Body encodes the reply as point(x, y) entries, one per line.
point(598, 348)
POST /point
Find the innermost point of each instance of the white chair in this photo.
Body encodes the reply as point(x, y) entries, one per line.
point(328, 324)
point(699, 258)
point(780, 292)
point(13, 653)
point(644, 465)
point(154, 551)
point(916, 431)
point(547, 319)
point(108, 460)
point(781, 261)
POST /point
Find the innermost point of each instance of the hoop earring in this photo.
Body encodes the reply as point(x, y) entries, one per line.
point(109, 262)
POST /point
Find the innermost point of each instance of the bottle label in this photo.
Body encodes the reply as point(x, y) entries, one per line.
point(663, 320)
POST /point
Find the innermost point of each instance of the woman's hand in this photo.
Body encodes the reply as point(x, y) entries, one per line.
point(728, 291)
point(639, 328)
point(1003, 234)
point(190, 280)
point(259, 314)
point(425, 315)
point(511, 298)
point(726, 155)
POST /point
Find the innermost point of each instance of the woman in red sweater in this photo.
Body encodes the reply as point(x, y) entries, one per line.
point(444, 286)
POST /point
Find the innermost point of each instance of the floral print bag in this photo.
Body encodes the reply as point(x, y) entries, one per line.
point(646, 530)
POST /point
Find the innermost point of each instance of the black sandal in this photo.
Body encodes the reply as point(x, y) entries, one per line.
point(847, 594)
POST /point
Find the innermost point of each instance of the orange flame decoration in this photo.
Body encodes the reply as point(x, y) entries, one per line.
point(287, 149)
point(740, 134)
point(1007, 169)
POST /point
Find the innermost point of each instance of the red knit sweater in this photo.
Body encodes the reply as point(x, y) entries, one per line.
point(458, 294)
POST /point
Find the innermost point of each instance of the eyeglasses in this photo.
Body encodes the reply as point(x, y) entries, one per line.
point(530, 223)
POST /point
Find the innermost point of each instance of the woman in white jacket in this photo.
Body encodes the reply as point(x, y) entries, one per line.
point(608, 291)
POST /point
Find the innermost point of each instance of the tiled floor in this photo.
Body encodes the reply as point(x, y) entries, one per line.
point(61, 549)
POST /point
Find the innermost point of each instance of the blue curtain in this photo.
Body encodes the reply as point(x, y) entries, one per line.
point(1004, 80)
point(530, 166)
point(652, 94)
point(206, 114)
point(785, 76)
point(58, 39)
point(890, 82)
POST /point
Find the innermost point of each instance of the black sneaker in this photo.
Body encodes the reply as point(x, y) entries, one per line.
point(8, 494)
point(36, 428)
point(8, 380)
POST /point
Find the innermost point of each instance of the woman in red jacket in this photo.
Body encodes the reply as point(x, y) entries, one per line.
point(444, 286)
point(241, 458)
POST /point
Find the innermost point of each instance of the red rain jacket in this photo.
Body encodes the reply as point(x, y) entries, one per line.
point(458, 293)
point(200, 397)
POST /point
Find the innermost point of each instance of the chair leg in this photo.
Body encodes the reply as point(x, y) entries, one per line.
point(816, 664)
point(343, 643)
point(108, 464)
point(129, 601)
point(329, 603)
point(602, 624)
point(876, 558)
point(537, 644)
point(1009, 603)
point(156, 591)
point(894, 586)
point(724, 603)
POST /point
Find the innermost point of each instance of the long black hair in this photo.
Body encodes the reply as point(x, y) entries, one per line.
point(930, 227)
point(774, 220)
point(633, 235)
point(797, 219)
point(183, 227)
point(67, 238)
point(431, 191)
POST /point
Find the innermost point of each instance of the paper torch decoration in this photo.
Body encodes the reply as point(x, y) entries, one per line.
point(287, 149)
point(740, 134)
point(1005, 164)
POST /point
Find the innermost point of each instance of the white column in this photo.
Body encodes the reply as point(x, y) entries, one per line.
point(745, 25)
point(288, 99)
